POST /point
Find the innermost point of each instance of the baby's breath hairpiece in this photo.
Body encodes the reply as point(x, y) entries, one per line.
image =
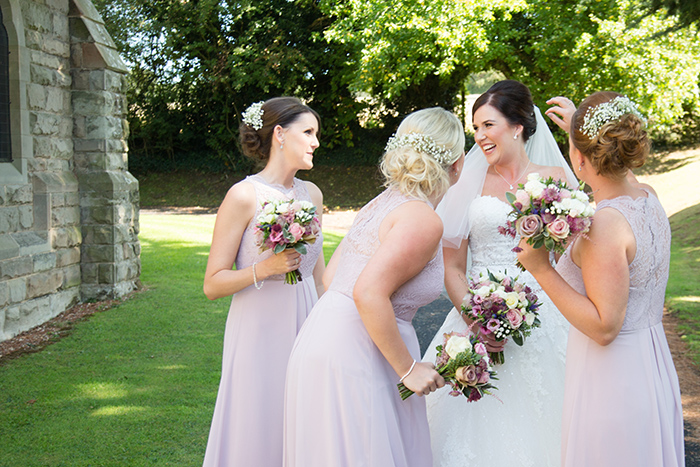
point(421, 143)
point(253, 115)
point(600, 114)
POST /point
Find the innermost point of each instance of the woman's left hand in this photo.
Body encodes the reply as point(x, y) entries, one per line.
point(533, 259)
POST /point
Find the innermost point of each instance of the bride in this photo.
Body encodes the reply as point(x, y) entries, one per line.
point(522, 424)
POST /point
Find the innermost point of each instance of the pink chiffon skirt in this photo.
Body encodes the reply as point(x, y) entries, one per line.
point(343, 408)
point(246, 428)
point(622, 402)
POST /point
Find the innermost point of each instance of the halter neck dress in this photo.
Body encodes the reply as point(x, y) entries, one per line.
point(246, 428)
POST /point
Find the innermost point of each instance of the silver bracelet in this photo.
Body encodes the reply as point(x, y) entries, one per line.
point(408, 372)
point(255, 279)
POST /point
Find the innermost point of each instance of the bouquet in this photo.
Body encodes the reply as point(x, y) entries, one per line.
point(547, 212)
point(284, 224)
point(502, 307)
point(463, 362)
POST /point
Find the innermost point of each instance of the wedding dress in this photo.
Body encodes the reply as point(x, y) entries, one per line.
point(521, 425)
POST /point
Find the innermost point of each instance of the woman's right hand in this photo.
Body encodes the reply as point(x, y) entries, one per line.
point(423, 379)
point(280, 263)
point(562, 112)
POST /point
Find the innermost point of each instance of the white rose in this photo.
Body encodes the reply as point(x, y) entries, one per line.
point(589, 211)
point(269, 208)
point(512, 299)
point(499, 275)
point(283, 208)
point(456, 345)
point(306, 205)
point(533, 176)
point(534, 188)
point(483, 291)
point(580, 196)
point(529, 318)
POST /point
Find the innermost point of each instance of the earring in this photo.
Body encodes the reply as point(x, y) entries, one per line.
point(515, 136)
point(282, 145)
point(580, 167)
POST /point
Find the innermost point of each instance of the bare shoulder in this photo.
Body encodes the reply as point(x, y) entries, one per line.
point(608, 223)
point(315, 193)
point(417, 221)
point(240, 198)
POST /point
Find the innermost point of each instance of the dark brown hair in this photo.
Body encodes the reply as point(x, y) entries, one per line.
point(514, 101)
point(282, 111)
point(619, 145)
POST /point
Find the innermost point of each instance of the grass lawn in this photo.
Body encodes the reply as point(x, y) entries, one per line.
point(133, 386)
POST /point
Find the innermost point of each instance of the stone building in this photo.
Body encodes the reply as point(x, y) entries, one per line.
point(68, 205)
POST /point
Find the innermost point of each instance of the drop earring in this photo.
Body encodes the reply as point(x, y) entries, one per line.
point(515, 136)
point(580, 167)
point(282, 145)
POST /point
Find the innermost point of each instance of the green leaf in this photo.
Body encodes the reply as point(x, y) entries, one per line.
point(517, 337)
point(510, 197)
point(301, 248)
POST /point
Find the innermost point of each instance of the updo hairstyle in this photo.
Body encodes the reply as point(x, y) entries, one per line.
point(281, 111)
point(620, 144)
point(514, 101)
point(417, 173)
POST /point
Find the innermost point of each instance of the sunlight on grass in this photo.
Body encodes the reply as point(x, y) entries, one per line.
point(172, 367)
point(101, 391)
point(117, 410)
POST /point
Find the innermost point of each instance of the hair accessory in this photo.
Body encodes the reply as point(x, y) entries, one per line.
point(253, 115)
point(600, 114)
point(421, 143)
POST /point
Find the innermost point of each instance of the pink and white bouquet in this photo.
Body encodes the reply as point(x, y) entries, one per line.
point(502, 307)
point(464, 363)
point(547, 212)
point(284, 224)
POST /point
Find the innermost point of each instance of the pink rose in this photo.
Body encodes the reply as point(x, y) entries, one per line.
point(276, 235)
point(558, 228)
point(528, 226)
point(297, 231)
point(514, 318)
point(466, 375)
point(483, 377)
point(523, 198)
point(480, 348)
point(564, 193)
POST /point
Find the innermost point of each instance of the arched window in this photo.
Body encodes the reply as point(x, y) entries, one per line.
point(5, 146)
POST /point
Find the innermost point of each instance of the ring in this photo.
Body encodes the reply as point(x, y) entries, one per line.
point(297, 263)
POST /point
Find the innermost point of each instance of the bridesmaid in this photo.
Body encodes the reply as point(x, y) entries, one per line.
point(246, 428)
point(342, 404)
point(622, 401)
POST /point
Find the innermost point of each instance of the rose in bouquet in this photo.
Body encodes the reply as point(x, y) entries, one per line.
point(464, 363)
point(284, 224)
point(546, 213)
point(502, 307)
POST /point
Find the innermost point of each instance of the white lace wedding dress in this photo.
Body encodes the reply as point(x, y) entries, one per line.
point(521, 426)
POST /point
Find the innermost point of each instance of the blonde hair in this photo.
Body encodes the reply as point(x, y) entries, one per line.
point(417, 173)
point(619, 145)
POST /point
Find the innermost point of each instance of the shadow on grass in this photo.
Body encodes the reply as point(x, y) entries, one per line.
point(662, 162)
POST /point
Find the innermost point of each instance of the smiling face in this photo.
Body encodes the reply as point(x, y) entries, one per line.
point(300, 141)
point(495, 135)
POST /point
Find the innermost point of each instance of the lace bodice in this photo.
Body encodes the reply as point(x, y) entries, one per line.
point(650, 268)
point(249, 252)
point(360, 243)
point(489, 248)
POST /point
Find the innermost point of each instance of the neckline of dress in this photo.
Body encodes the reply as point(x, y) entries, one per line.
point(278, 186)
point(496, 198)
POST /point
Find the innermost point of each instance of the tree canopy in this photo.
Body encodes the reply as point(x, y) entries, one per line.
point(197, 64)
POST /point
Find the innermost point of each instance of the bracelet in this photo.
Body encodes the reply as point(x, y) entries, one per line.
point(408, 372)
point(255, 279)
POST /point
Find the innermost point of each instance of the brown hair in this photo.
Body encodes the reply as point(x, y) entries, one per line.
point(514, 101)
point(619, 145)
point(281, 111)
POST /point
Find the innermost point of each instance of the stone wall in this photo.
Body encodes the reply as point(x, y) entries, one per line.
point(68, 205)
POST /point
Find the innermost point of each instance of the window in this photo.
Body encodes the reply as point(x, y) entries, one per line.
point(5, 136)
